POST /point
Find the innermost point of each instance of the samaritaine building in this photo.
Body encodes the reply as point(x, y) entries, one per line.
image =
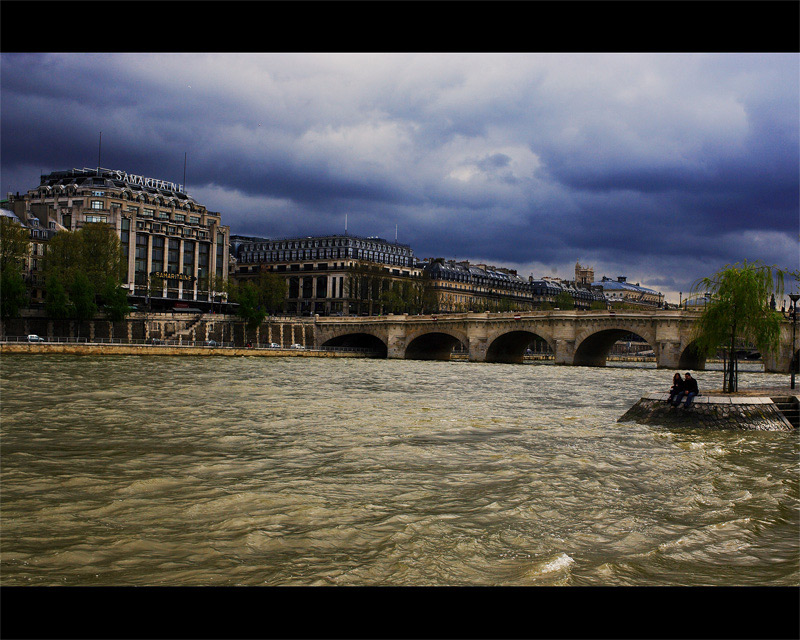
point(175, 248)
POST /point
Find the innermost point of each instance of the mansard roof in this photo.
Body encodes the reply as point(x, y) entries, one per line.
point(113, 179)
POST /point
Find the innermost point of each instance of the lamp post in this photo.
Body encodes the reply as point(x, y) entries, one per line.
point(793, 315)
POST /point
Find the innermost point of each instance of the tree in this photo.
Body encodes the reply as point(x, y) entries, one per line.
point(13, 292)
point(739, 311)
point(564, 300)
point(271, 291)
point(15, 243)
point(100, 254)
point(14, 249)
point(81, 268)
point(63, 257)
point(249, 309)
point(82, 297)
point(56, 300)
point(115, 300)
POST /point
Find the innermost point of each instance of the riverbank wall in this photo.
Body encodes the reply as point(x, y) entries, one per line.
point(84, 349)
point(184, 326)
point(768, 410)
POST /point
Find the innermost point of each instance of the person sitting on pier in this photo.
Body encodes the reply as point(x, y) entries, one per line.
point(690, 390)
point(677, 387)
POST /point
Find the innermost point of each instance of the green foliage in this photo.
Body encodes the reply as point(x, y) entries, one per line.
point(256, 298)
point(13, 292)
point(372, 290)
point(739, 312)
point(250, 309)
point(565, 301)
point(15, 243)
point(81, 268)
point(82, 297)
point(56, 300)
point(271, 289)
point(14, 249)
point(63, 257)
point(115, 301)
point(100, 254)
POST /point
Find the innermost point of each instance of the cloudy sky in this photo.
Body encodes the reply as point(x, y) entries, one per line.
point(662, 167)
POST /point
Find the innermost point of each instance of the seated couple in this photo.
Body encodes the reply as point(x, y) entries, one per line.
point(683, 388)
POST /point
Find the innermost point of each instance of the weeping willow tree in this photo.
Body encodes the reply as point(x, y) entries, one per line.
point(739, 313)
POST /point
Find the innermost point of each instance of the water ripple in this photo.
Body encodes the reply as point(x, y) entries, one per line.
point(294, 471)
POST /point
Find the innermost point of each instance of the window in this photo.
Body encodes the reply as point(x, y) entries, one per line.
point(179, 217)
point(97, 204)
point(91, 218)
point(194, 220)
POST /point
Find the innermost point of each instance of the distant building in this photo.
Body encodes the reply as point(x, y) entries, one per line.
point(33, 269)
point(583, 275)
point(461, 286)
point(175, 249)
point(620, 291)
point(319, 269)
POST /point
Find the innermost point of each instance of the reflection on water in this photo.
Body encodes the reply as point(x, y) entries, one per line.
point(271, 471)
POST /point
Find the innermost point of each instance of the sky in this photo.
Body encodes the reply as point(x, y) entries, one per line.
point(661, 167)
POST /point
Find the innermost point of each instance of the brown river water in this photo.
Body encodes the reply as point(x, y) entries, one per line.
point(176, 471)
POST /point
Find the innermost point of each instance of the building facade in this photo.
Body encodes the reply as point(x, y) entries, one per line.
point(174, 248)
point(320, 271)
point(583, 275)
point(461, 286)
point(620, 291)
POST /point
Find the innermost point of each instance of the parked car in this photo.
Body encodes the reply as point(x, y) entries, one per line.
point(210, 343)
point(155, 341)
point(34, 338)
point(274, 345)
point(297, 346)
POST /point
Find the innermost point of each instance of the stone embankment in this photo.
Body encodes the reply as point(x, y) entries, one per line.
point(148, 350)
point(773, 409)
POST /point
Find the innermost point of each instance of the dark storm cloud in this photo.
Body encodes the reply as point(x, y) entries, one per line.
point(660, 167)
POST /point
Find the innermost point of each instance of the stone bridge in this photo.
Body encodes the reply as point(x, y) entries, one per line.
point(582, 338)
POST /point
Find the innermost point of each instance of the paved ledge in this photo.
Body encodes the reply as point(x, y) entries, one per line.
point(148, 350)
point(751, 410)
point(713, 399)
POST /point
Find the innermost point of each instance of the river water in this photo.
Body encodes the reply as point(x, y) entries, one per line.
point(301, 471)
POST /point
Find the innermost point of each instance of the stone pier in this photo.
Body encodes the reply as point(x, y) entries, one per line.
point(750, 410)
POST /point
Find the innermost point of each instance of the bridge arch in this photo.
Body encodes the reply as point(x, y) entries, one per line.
point(434, 345)
point(691, 358)
point(592, 347)
point(510, 346)
point(360, 340)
